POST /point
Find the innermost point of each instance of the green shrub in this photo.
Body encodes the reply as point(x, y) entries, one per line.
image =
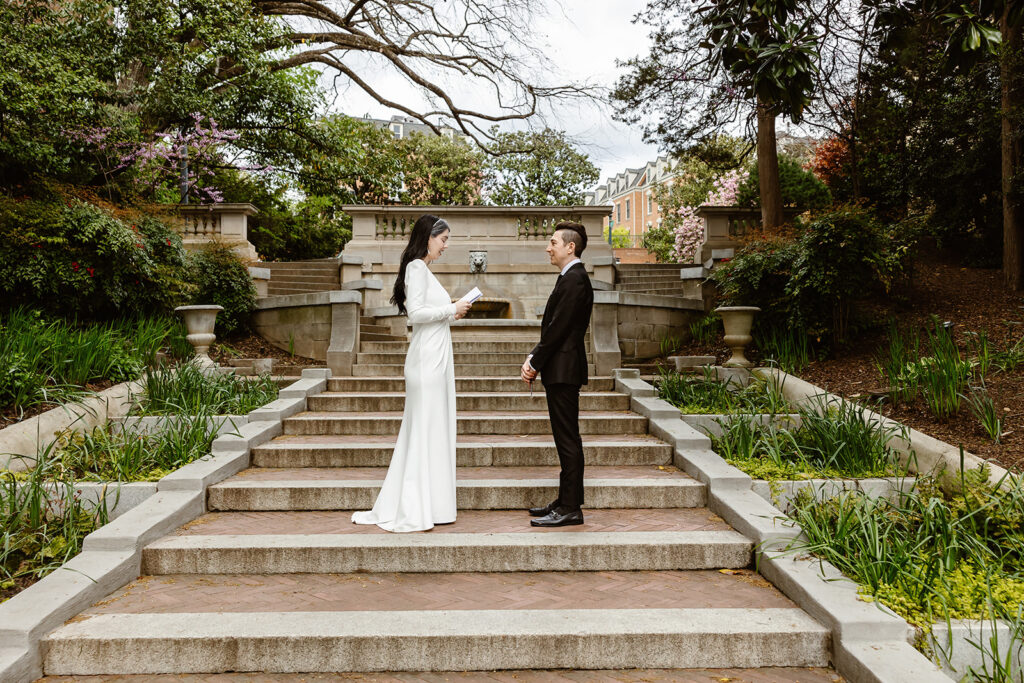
point(812, 279)
point(660, 242)
point(800, 188)
point(72, 258)
point(223, 279)
point(309, 230)
point(620, 237)
point(707, 395)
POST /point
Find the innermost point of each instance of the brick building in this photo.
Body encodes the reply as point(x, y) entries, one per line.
point(630, 194)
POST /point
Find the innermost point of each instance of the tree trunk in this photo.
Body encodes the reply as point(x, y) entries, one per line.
point(768, 168)
point(1012, 87)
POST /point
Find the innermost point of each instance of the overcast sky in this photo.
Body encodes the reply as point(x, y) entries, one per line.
point(583, 38)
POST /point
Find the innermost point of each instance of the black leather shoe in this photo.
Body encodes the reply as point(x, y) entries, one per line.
point(555, 518)
point(546, 510)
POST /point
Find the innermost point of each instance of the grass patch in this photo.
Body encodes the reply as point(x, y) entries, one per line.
point(189, 391)
point(708, 396)
point(44, 524)
point(837, 441)
point(52, 361)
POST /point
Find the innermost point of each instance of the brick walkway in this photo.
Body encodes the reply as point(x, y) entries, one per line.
point(446, 591)
point(378, 473)
point(769, 675)
point(468, 522)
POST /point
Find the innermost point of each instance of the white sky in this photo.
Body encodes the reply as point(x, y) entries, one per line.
point(583, 39)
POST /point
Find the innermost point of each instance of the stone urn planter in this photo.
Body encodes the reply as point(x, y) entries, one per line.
point(737, 321)
point(199, 321)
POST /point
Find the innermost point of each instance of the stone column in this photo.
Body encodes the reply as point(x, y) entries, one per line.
point(604, 333)
point(344, 344)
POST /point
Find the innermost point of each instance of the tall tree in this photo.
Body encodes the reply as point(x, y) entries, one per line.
point(440, 170)
point(993, 26)
point(537, 168)
point(715, 64)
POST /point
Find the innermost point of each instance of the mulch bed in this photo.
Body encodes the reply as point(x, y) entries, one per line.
point(20, 584)
point(973, 299)
point(250, 345)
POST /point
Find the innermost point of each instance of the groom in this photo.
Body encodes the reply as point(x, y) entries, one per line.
point(561, 360)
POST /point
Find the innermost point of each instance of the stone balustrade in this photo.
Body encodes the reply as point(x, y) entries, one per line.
point(200, 224)
point(511, 235)
point(726, 226)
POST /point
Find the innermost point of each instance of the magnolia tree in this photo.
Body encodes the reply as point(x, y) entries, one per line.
point(688, 227)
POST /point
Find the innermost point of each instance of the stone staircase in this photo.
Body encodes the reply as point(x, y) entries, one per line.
point(275, 577)
point(650, 278)
point(303, 277)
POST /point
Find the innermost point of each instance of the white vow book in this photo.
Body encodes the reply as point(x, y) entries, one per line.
point(472, 295)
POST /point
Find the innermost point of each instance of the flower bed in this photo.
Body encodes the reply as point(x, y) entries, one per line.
point(839, 442)
point(931, 555)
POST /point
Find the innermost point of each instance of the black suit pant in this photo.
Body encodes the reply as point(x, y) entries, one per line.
point(564, 411)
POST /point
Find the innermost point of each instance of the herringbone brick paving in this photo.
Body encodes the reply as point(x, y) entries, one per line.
point(444, 591)
point(767, 675)
point(468, 522)
point(478, 473)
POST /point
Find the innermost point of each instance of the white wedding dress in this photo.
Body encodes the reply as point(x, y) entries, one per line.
point(419, 489)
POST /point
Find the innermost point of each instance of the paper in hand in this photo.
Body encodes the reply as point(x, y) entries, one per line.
point(472, 295)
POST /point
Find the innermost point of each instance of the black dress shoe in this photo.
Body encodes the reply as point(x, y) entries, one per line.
point(546, 510)
point(556, 518)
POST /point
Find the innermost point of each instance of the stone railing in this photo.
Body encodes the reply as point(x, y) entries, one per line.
point(725, 226)
point(200, 224)
point(509, 234)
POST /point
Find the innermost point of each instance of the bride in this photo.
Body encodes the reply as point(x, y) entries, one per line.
point(419, 489)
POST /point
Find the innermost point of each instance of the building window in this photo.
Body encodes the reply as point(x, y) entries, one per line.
point(618, 212)
point(627, 209)
point(396, 129)
point(650, 204)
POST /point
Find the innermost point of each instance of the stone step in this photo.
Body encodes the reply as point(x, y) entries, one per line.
point(373, 336)
point(521, 348)
point(462, 384)
point(468, 422)
point(477, 488)
point(470, 451)
point(374, 329)
point(461, 358)
point(650, 279)
point(285, 290)
point(402, 622)
point(298, 542)
point(789, 674)
point(385, 401)
point(461, 370)
point(305, 277)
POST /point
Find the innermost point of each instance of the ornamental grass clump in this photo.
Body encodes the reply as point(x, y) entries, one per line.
point(44, 523)
point(133, 453)
point(832, 441)
point(188, 390)
point(49, 361)
point(927, 554)
point(708, 396)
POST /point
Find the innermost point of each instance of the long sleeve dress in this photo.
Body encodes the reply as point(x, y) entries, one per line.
point(419, 489)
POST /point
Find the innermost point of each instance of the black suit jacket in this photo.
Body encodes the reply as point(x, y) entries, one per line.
point(561, 355)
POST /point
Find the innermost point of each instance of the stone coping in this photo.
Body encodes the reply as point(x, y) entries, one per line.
point(653, 300)
point(478, 209)
point(955, 645)
point(922, 453)
point(310, 299)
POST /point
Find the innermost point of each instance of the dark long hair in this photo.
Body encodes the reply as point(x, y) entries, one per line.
point(426, 226)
